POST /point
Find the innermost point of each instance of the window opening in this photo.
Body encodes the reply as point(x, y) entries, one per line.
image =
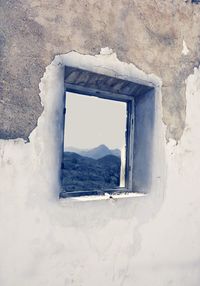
point(94, 144)
point(86, 93)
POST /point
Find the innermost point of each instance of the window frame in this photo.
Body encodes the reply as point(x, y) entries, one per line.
point(130, 132)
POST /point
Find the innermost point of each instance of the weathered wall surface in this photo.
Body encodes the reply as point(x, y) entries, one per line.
point(147, 33)
point(149, 240)
point(142, 241)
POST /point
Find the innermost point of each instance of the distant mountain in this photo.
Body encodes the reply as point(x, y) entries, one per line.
point(116, 152)
point(83, 173)
point(95, 153)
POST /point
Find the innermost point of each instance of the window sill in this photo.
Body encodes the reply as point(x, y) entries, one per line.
point(104, 197)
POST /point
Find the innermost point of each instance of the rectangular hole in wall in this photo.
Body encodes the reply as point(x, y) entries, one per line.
point(94, 145)
point(90, 124)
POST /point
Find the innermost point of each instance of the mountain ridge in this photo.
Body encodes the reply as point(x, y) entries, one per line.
point(95, 153)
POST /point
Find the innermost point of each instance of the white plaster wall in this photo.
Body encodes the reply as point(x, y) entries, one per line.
point(142, 241)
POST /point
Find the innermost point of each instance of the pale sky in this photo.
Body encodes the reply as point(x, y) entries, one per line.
point(91, 121)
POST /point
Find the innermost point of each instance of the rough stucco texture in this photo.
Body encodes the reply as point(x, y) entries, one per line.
point(147, 33)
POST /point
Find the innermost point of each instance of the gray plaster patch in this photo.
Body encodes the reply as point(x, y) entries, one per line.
point(33, 32)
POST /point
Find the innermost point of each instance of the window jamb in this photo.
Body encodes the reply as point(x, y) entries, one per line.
point(130, 144)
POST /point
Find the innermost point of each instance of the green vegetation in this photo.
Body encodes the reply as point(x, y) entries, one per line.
point(83, 174)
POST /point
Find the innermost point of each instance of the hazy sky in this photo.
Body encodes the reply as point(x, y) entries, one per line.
point(92, 121)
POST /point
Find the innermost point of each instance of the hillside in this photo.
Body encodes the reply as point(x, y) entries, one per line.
point(95, 153)
point(84, 173)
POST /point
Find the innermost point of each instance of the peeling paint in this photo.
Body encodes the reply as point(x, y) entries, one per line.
point(145, 240)
point(185, 50)
point(32, 37)
point(116, 239)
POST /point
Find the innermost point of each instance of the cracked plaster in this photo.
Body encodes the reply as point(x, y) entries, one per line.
point(33, 32)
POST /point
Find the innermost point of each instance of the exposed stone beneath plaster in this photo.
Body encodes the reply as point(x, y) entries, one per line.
point(147, 33)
